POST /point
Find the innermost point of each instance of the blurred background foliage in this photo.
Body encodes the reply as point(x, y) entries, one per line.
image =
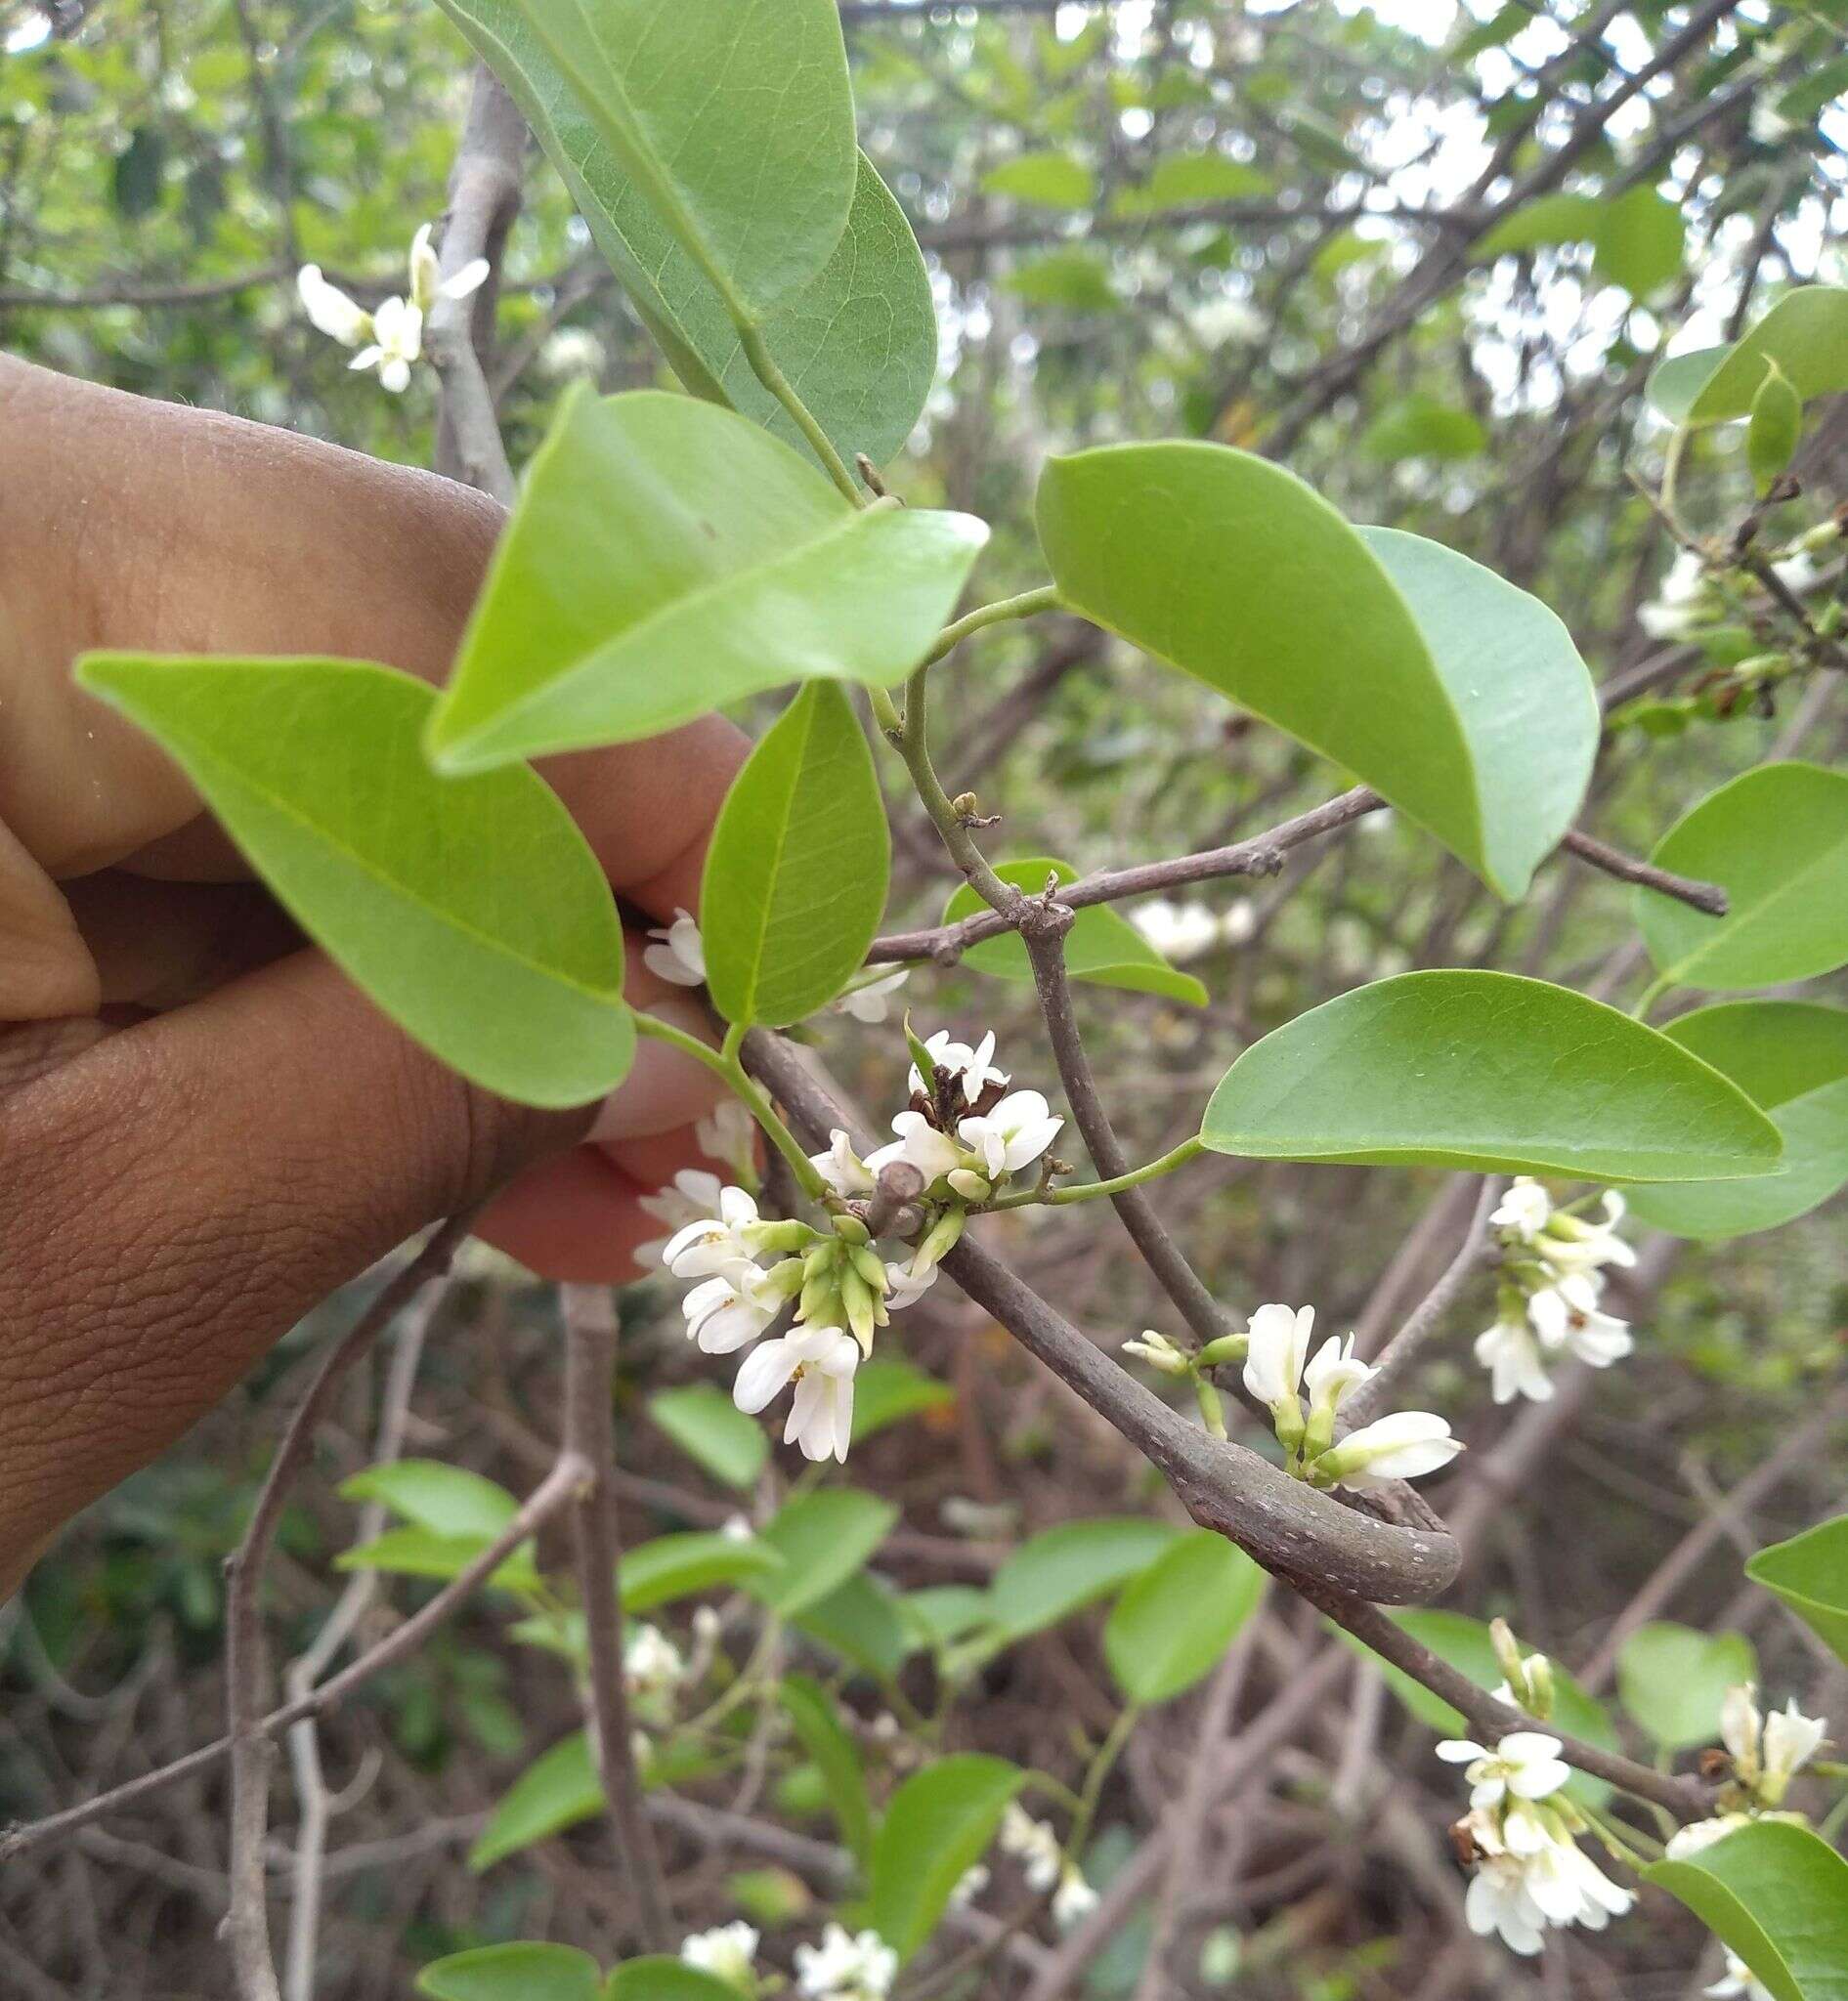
point(1284, 227)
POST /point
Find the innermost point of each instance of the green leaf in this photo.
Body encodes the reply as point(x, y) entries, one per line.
point(732, 132)
point(1546, 220)
point(473, 914)
point(1064, 1569)
point(888, 1389)
point(797, 870)
point(1077, 280)
point(667, 558)
point(943, 1613)
point(937, 1827)
point(1672, 1681)
point(1489, 1071)
point(668, 1567)
point(1638, 242)
point(1103, 946)
point(448, 1499)
point(1810, 1574)
point(864, 1622)
point(425, 1553)
point(1421, 426)
point(1048, 180)
point(1805, 335)
point(1777, 1896)
point(708, 1426)
point(812, 1710)
point(1465, 1643)
point(556, 1790)
point(1176, 1620)
point(513, 1973)
point(823, 1539)
point(1399, 660)
point(1677, 380)
point(1526, 697)
point(1775, 429)
point(1191, 179)
point(1790, 1058)
point(659, 1978)
point(1776, 839)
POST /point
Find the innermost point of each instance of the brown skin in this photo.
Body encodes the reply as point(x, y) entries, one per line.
point(204, 1127)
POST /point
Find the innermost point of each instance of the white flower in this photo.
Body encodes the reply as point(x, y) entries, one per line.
point(841, 1167)
point(730, 1310)
point(1178, 931)
point(845, 1967)
point(1791, 1741)
point(1159, 1352)
point(1526, 1208)
point(651, 1662)
point(1497, 1902)
point(1033, 1845)
point(679, 953)
point(932, 1153)
point(1567, 1315)
point(1569, 1888)
point(394, 333)
point(1333, 1373)
point(1525, 1764)
point(1574, 1244)
point(820, 1362)
point(729, 1951)
point(969, 1886)
point(1073, 1899)
point(329, 310)
point(571, 351)
point(1703, 1834)
point(1014, 1135)
point(1404, 1446)
point(1739, 1983)
point(730, 1133)
point(397, 342)
point(1684, 600)
point(871, 1003)
point(1799, 572)
point(1511, 1355)
point(736, 1528)
point(974, 1066)
point(1741, 1731)
point(692, 1197)
point(905, 1287)
point(1280, 1343)
point(714, 1244)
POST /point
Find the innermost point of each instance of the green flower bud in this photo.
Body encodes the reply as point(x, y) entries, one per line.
point(850, 1229)
point(968, 1184)
point(1230, 1348)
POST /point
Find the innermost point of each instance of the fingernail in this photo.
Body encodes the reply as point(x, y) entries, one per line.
point(663, 1089)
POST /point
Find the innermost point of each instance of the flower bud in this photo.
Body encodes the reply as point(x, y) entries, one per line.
point(859, 1299)
point(1501, 1636)
point(968, 1184)
point(1159, 1352)
point(871, 1267)
point(966, 805)
point(784, 1238)
point(851, 1230)
point(942, 1239)
point(1230, 1348)
point(1212, 1406)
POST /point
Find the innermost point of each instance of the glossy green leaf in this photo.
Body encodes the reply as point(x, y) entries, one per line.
point(1399, 660)
point(888, 1389)
point(1465, 1643)
point(1672, 1681)
point(708, 1426)
point(811, 1711)
point(473, 914)
point(676, 1566)
point(449, 1499)
point(1777, 1895)
point(427, 1553)
point(1061, 1570)
point(1638, 242)
point(514, 1973)
point(1775, 431)
point(1174, 1621)
point(823, 1539)
point(556, 1790)
point(1776, 839)
point(1103, 946)
point(1048, 180)
point(1543, 223)
point(1191, 179)
point(1790, 1058)
point(1489, 1071)
point(799, 865)
point(1805, 334)
point(659, 1978)
point(937, 1827)
point(731, 131)
point(1529, 709)
point(1810, 1574)
point(667, 558)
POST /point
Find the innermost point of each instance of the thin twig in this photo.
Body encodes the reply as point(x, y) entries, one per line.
point(1709, 897)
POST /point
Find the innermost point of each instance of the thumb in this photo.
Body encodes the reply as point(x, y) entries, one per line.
point(180, 1194)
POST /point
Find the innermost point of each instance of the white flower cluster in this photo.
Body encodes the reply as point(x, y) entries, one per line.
point(1046, 1865)
point(729, 1952)
point(1548, 1303)
point(845, 1967)
point(1181, 931)
point(1278, 1370)
point(1530, 1871)
point(1767, 1752)
point(391, 338)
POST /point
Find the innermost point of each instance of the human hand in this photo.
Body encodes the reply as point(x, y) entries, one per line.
point(204, 1127)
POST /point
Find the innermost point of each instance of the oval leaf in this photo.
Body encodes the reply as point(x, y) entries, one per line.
point(812, 1710)
point(557, 1790)
point(1235, 571)
point(863, 1621)
point(1810, 1574)
point(659, 1977)
point(937, 1827)
point(1489, 1071)
point(1048, 180)
point(887, 1388)
point(474, 914)
point(1101, 946)
point(797, 870)
point(670, 1567)
point(1776, 839)
point(1177, 1619)
point(667, 558)
point(1638, 242)
point(1805, 334)
point(1775, 429)
point(1777, 1896)
point(823, 1539)
point(448, 1499)
point(513, 1973)
point(1064, 1569)
point(1672, 1681)
point(427, 1553)
point(1790, 1058)
point(707, 1425)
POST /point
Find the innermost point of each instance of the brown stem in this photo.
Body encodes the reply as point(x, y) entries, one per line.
point(1703, 895)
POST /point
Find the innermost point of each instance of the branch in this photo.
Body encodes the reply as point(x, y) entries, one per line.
point(1709, 897)
point(590, 1436)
